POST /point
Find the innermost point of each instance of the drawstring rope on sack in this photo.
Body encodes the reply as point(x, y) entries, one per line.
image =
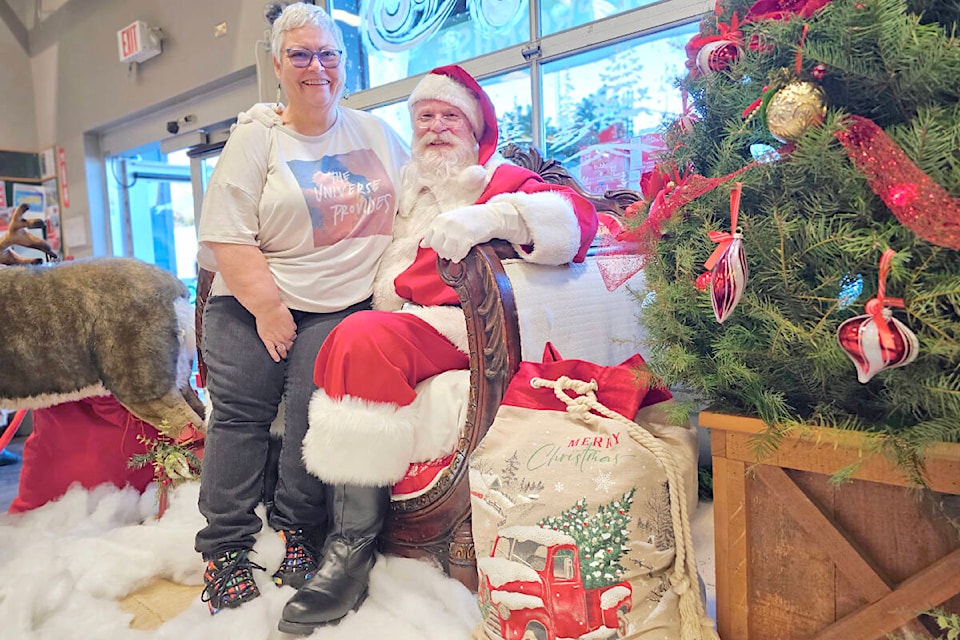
point(694, 622)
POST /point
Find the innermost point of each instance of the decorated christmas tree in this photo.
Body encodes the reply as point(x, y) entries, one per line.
point(601, 538)
point(801, 236)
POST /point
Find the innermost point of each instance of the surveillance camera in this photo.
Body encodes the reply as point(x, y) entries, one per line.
point(173, 127)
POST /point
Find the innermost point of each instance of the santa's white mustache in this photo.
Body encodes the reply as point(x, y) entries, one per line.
point(429, 138)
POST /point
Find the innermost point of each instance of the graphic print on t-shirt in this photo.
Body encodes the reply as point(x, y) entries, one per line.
point(349, 195)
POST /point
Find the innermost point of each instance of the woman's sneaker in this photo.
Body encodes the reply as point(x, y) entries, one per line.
point(229, 581)
point(299, 561)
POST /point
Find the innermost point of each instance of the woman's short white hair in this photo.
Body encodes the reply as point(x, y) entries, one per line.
point(301, 14)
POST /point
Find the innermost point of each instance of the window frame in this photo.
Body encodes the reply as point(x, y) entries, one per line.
point(629, 25)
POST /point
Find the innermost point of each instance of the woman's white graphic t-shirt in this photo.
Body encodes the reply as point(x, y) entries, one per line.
point(320, 208)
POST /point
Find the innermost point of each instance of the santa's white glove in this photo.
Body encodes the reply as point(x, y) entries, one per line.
point(452, 233)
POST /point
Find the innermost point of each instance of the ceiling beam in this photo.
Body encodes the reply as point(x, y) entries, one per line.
point(9, 18)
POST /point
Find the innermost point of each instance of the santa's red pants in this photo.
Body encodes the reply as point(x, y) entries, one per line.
point(380, 356)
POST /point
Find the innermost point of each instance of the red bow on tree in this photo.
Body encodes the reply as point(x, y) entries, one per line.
point(783, 9)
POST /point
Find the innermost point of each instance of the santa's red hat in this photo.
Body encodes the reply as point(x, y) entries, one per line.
point(453, 85)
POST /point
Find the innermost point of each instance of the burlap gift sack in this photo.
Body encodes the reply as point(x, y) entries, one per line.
point(581, 515)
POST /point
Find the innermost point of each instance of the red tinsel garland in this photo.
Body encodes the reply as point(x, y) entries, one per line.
point(919, 203)
point(625, 254)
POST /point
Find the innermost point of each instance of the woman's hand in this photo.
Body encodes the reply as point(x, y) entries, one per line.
point(277, 330)
point(248, 277)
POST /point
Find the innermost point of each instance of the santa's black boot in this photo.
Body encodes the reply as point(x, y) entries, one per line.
point(340, 582)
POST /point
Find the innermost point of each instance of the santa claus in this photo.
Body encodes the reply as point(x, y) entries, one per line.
point(364, 430)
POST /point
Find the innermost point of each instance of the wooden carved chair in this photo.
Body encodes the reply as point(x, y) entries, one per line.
point(435, 524)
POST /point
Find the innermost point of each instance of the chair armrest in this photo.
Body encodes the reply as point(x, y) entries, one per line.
point(204, 282)
point(493, 333)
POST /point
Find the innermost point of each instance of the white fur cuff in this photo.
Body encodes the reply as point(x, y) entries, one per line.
point(353, 441)
point(552, 223)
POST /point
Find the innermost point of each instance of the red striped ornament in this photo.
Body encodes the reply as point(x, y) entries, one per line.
point(878, 341)
point(728, 264)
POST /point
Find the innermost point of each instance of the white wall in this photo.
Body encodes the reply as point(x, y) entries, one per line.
point(18, 129)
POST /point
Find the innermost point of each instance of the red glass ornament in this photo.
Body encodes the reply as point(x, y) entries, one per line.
point(878, 341)
point(729, 279)
point(727, 264)
point(819, 71)
point(860, 338)
point(717, 56)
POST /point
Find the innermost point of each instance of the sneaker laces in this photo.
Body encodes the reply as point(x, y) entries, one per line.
point(229, 580)
point(300, 555)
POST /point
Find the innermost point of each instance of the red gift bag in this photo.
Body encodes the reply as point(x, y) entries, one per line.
point(581, 493)
point(88, 442)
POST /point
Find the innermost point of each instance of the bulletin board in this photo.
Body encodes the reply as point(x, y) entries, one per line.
point(31, 177)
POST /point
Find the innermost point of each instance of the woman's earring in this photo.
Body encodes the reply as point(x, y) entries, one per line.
point(279, 95)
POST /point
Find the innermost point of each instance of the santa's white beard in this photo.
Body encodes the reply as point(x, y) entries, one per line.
point(433, 165)
point(434, 176)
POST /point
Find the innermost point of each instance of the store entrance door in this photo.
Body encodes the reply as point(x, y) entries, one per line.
point(155, 202)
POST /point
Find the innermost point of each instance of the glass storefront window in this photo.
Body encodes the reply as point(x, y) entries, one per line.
point(511, 97)
point(602, 108)
point(398, 117)
point(389, 40)
point(558, 15)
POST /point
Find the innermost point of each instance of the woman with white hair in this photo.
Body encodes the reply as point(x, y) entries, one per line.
point(297, 214)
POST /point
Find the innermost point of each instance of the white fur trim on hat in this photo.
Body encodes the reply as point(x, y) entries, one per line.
point(354, 441)
point(435, 86)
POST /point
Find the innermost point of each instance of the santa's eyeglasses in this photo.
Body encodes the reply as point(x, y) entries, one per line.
point(301, 58)
point(449, 120)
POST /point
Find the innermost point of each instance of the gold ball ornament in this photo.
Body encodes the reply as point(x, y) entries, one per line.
point(794, 108)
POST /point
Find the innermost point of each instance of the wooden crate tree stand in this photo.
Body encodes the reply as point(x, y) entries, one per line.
point(802, 557)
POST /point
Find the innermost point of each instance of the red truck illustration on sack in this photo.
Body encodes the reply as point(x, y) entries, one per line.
point(531, 589)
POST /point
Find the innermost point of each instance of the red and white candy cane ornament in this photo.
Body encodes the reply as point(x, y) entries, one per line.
point(878, 341)
point(727, 263)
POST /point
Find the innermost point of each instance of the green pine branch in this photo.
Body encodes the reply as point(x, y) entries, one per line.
point(810, 223)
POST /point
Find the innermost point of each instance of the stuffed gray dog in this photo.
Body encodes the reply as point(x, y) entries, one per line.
point(97, 326)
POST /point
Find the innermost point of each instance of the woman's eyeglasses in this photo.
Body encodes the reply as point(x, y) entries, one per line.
point(301, 58)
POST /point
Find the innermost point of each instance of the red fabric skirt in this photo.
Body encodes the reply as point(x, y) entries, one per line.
point(89, 442)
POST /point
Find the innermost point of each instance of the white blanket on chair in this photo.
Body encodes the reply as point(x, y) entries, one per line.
point(571, 307)
point(64, 566)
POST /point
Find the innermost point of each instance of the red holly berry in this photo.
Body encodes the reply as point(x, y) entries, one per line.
point(819, 71)
point(703, 281)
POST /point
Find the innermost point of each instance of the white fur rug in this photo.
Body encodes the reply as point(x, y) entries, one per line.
point(65, 566)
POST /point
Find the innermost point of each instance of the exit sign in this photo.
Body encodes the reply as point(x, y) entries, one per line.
point(136, 42)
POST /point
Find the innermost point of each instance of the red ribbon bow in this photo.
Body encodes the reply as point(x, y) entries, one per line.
point(875, 306)
point(723, 237)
